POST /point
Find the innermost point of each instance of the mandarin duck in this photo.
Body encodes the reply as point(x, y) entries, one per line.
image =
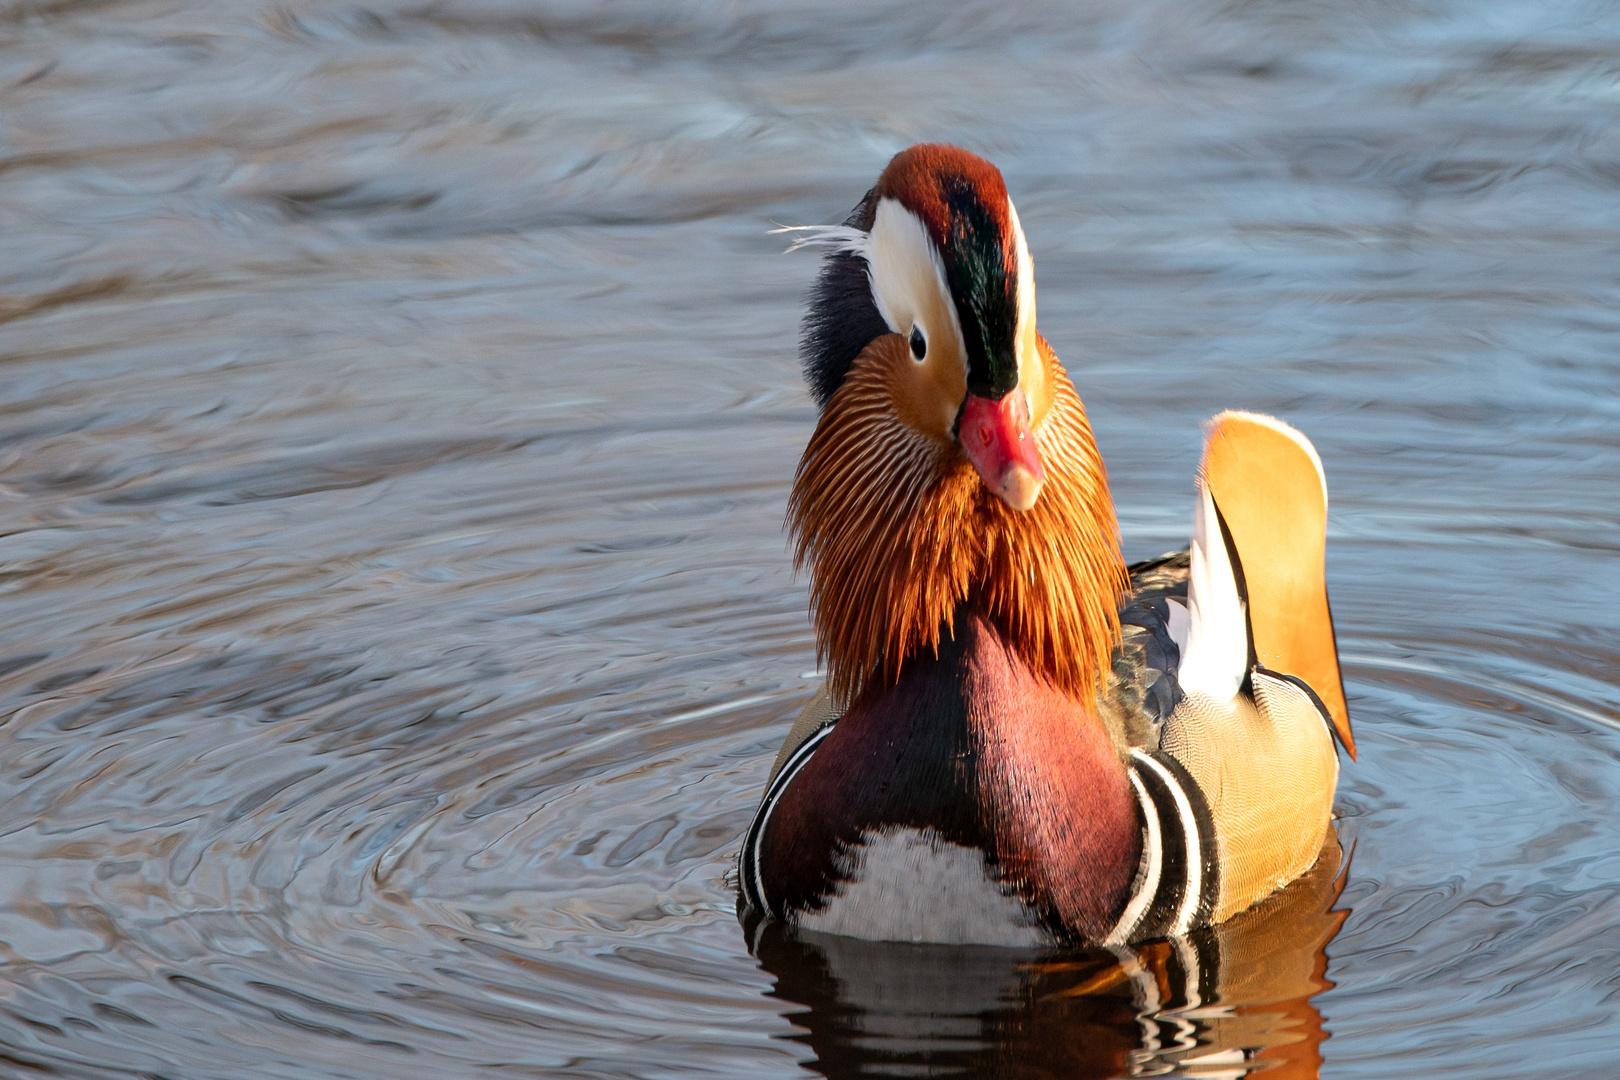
point(1021, 740)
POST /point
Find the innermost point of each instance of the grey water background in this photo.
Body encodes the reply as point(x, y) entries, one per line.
point(398, 404)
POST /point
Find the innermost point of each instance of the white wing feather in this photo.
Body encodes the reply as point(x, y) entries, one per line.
point(1217, 654)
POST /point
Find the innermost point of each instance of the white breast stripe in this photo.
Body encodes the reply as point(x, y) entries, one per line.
point(1153, 856)
point(756, 832)
point(1195, 855)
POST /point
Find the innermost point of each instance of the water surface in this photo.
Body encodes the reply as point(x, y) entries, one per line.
point(397, 409)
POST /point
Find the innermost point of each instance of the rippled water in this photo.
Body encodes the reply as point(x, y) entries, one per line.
point(397, 410)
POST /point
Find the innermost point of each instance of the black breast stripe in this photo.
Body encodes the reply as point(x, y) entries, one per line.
point(748, 866)
point(1187, 881)
point(1158, 916)
point(1202, 855)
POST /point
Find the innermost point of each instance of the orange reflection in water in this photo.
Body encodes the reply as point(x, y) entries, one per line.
point(1224, 1002)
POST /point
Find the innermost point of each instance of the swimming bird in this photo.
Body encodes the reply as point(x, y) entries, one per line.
point(1021, 740)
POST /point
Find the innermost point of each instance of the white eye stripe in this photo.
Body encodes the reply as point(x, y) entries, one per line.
point(1024, 334)
point(908, 275)
point(1026, 272)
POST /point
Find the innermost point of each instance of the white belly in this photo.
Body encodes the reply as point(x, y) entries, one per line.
point(904, 884)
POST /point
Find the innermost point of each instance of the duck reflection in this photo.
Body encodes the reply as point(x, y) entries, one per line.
point(1225, 1001)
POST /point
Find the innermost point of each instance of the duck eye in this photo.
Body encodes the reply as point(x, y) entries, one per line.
point(919, 344)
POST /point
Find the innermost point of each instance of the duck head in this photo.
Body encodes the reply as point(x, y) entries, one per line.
point(953, 464)
point(935, 255)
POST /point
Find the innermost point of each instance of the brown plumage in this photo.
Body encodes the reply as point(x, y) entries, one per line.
point(899, 531)
point(966, 584)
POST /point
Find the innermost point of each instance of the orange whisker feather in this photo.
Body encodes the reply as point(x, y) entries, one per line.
point(898, 531)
